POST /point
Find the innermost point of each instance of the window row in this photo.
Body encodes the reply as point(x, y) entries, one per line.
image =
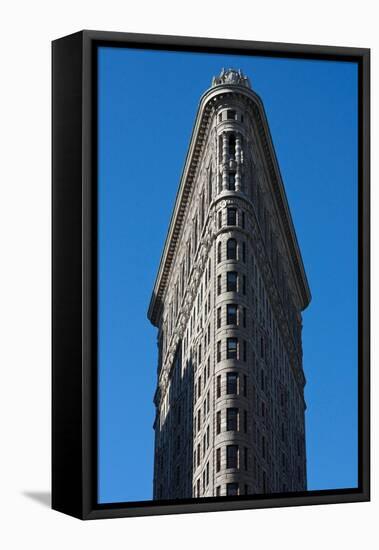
point(234, 217)
point(232, 247)
point(232, 489)
point(235, 421)
point(234, 283)
point(202, 379)
point(230, 114)
point(233, 458)
point(236, 384)
point(200, 450)
point(235, 315)
point(234, 350)
point(202, 413)
point(205, 480)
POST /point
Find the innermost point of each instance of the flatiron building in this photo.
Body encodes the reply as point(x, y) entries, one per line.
point(227, 304)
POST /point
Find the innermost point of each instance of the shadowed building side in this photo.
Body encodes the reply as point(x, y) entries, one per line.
point(227, 303)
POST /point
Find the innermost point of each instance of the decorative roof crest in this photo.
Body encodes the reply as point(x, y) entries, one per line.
point(231, 76)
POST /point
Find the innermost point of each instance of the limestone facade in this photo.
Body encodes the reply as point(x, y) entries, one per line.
point(227, 303)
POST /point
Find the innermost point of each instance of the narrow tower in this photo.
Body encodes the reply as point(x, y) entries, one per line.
point(227, 303)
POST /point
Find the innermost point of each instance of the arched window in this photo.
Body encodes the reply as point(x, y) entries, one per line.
point(231, 249)
point(219, 252)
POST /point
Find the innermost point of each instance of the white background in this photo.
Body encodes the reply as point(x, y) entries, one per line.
point(26, 31)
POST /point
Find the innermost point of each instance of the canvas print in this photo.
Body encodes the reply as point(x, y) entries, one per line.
point(227, 275)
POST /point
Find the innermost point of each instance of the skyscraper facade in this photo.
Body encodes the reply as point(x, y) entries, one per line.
point(227, 303)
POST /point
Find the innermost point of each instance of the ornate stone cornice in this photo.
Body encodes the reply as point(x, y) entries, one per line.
point(199, 135)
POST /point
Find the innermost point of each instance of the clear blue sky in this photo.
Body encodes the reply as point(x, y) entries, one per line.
point(147, 105)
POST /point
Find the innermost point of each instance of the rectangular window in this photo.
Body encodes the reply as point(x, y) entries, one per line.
point(231, 249)
point(231, 281)
point(232, 489)
point(198, 419)
point(218, 490)
point(207, 437)
point(218, 386)
point(219, 219)
point(245, 385)
point(218, 351)
point(218, 422)
point(232, 419)
point(218, 285)
point(245, 421)
point(245, 458)
point(218, 460)
point(244, 252)
point(198, 454)
point(244, 317)
point(231, 216)
point(244, 350)
point(231, 314)
point(207, 474)
point(244, 285)
point(199, 386)
point(232, 383)
point(232, 456)
point(231, 114)
point(232, 348)
point(218, 317)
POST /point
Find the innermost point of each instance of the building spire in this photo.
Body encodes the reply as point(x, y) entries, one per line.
point(231, 76)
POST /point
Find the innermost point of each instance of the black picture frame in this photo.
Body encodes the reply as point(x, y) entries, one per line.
point(74, 293)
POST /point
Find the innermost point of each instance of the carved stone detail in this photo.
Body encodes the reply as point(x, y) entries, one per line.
point(231, 76)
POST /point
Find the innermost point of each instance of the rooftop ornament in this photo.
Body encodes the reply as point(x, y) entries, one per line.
point(231, 76)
